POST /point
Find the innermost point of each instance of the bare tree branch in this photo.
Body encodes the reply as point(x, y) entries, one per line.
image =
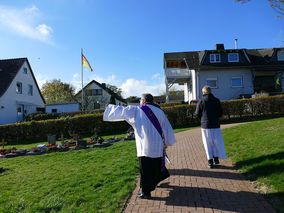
point(277, 5)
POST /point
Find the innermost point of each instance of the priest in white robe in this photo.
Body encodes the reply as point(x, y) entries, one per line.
point(209, 110)
point(150, 144)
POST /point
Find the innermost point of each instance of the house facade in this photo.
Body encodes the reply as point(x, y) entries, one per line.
point(231, 73)
point(19, 91)
point(62, 107)
point(97, 95)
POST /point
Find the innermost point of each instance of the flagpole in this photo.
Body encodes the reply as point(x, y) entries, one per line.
point(82, 79)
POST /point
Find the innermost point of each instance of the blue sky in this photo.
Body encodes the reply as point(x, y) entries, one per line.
point(124, 40)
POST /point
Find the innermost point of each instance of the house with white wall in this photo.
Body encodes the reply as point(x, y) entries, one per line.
point(62, 107)
point(97, 95)
point(231, 73)
point(19, 91)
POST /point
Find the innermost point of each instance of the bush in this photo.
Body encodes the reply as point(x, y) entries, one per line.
point(178, 115)
point(41, 116)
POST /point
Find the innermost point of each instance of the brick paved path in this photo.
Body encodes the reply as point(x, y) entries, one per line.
point(192, 187)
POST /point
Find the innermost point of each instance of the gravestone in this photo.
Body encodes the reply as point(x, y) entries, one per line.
point(51, 139)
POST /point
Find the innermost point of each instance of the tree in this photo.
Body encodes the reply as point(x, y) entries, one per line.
point(277, 5)
point(115, 89)
point(112, 100)
point(174, 92)
point(56, 91)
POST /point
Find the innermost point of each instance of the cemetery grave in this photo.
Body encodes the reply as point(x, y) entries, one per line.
point(75, 143)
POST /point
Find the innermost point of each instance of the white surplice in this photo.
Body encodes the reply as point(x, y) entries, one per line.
point(148, 141)
point(213, 143)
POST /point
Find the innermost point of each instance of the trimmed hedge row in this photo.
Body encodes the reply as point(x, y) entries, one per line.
point(47, 116)
point(83, 124)
point(179, 116)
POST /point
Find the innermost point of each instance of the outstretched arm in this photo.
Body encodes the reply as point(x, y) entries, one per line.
point(119, 113)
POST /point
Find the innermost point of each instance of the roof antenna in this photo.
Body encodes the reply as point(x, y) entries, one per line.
point(236, 43)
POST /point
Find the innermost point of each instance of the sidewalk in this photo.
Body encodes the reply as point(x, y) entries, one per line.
point(193, 187)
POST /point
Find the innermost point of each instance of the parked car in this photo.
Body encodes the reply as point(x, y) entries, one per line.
point(194, 101)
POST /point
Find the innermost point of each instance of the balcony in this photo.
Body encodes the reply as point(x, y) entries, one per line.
point(177, 75)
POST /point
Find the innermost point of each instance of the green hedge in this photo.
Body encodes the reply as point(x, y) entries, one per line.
point(83, 124)
point(178, 115)
point(45, 116)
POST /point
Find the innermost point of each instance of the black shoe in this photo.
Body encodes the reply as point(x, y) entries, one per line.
point(216, 160)
point(210, 163)
point(144, 196)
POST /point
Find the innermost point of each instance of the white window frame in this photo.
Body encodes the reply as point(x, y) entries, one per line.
point(237, 78)
point(231, 54)
point(30, 90)
point(213, 58)
point(19, 88)
point(212, 79)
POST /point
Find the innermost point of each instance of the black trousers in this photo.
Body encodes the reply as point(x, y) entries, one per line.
point(150, 173)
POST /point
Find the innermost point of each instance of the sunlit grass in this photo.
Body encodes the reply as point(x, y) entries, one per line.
point(89, 180)
point(257, 149)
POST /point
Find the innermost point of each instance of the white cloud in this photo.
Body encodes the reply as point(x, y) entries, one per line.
point(77, 81)
point(44, 30)
point(111, 79)
point(130, 87)
point(157, 75)
point(133, 87)
point(23, 22)
point(41, 79)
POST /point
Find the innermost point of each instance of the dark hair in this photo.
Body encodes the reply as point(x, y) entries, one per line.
point(148, 98)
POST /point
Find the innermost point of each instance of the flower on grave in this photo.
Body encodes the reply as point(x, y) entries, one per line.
point(35, 149)
point(3, 151)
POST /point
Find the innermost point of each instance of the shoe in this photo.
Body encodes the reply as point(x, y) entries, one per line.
point(216, 160)
point(210, 163)
point(144, 195)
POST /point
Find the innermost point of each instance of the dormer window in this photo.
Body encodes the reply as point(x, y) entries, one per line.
point(25, 70)
point(280, 55)
point(215, 58)
point(233, 57)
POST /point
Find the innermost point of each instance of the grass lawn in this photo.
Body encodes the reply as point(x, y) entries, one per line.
point(90, 180)
point(101, 179)
point(257, 149)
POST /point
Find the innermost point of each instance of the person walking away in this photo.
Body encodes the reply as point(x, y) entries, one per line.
point(209, 110)
point(152, 133)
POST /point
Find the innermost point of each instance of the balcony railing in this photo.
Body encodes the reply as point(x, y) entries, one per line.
point(178, 73)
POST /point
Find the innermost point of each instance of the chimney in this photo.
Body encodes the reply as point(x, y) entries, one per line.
point(219, 47)
point(103, 84)
point(236, 43)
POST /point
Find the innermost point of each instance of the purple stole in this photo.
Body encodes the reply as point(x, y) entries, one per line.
point(152, 117)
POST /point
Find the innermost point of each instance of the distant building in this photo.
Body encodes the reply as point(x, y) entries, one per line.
point(19, 91)
point(157, 99)
point(172, 99)
point(231, 73)
point(97, 95)
point(62, 107)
